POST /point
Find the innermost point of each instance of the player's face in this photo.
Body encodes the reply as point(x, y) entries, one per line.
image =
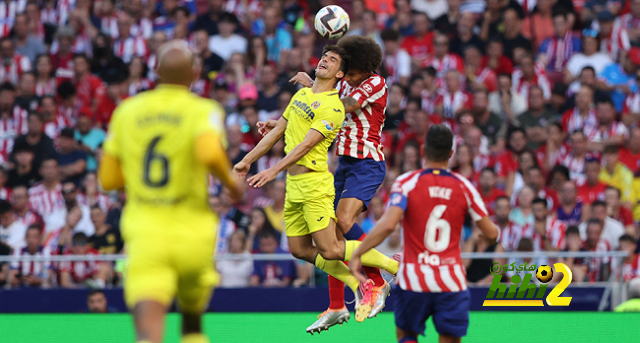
point(329, 66)
point(355, 77)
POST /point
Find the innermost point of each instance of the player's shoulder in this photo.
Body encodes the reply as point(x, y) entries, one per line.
point(373, 84)
point(406, 181)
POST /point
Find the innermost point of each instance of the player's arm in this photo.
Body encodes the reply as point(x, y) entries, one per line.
point(262, 148)
point(350, 104)
point(110, 173)
point(209, 152)
point(313, 137)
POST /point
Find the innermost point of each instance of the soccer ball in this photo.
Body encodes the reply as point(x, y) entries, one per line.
point(332, 22)
point(544, 273)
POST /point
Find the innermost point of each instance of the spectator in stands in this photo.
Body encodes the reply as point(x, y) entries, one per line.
point(75, 209)
point(630, 262)
point(452, 99)
point(97, 302)
point(523, 213)
point(610, 230)
point(630, 155)
point(397, 61)
point(25, 173)
point(115, 212)
point(269, 91)
point(478, 269)
point(138, 81)
point(41, 30)
point(420, 44)
point(491, 125)
point(466, 35)
point(512, 37)
point(507, 162)
point(575, 160)
point(570, 211)
point(462, 163)
point(45, 80)
point(592, 189)
point(613, 41)
point(275, 210)
point(618, 212)
point(226, 42)
point(13, 64)
point(259, 225)
point(369, 27)
point(504, 102)
point(8, 129)
point(609, 131)
point(477, 77)
point(618, 79)
point(589, 57)
point(90, 194)
point(231, 212)
point(410, 157)
point(46, 197)
point(61, 52)
point(535, 120)
point(272, 273)
point(442, 60)
point(212, 62)
point(488, 190)
point(279, 40)
point(106, 239)
point(89, 139)
point(587, 78)
point(31, 274)
point(71, 161)
point(41, 144)
point(616, 174)
point(76, 274)
point(548, 230)
point(236, 273)
point(70, 105)
point(495, 58)
point(556, 50)
point(27, 99)
point(576, 264)
point(598, 267)
point(115, 94)
point(12, 231)
point(89, 88)
point(105, 63)
point(126, 45)
point(526, 75)
point(522, 176)
point(374, 213)
point(539, 25)
point(24, 214)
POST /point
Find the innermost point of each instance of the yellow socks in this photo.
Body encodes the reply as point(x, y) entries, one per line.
point(372, 258)
point(338, 270)
point(194, 338)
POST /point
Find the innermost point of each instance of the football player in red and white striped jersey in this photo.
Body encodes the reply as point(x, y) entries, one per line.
point(432, 204)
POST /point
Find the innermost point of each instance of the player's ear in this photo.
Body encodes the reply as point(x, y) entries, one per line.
point(339, 74)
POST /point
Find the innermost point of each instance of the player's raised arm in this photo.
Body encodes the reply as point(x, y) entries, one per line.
point(265, 144)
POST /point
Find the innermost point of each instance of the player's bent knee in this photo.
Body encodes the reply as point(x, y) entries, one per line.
point(345, 222)
point(333, 253)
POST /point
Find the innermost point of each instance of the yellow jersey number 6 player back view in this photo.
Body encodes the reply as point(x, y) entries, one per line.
point(162, 145)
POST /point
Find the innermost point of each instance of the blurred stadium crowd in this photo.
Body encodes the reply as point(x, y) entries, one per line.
point(542, 97)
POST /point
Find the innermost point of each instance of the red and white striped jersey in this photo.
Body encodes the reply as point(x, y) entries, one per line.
point(71, 114)
point(11, 128)
point(38, 269)
point(556, 156)
point(242, 8)
point(143, 28)
point(109, 26)
point(558, 50)
point(616, 42)
point(266, 162)
point(100, 199)
point(151, 64)
point(486, 77)
point(626, 21)
point(5, 193)
point(523, 86)
point(45, 201)
point(63, 10)
point(616, 128)
point(361, 130)
point(129, 47)
point(572, 120)
point(435, 203)
point(448, 62)
point(595, 263)
point(81, 45)
point(140, 86)
point(398, 66)
point(452, 103)
point(630, 270)
point(30, 218)
point(83, 270)
point(8, 12)
point(54, 127)
point(49, 15)
point(511, 235)
point(631, 104)
point(428, 101)
point(46, 88)
point(555, 233)
point(576, 167)
point(89, 88)
point(201, 88)
point(12, 72)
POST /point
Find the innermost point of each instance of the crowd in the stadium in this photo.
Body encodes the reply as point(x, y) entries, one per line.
point(542, 97)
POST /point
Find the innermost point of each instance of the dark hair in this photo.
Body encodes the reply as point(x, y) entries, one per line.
point(560, 169)
point(431, 71)
point(598, 203)
point(611, 149)
point(66, 90)
point(7, 86)
point(627, 238)
point(34, 227)
point(588, 68)
point(572, 230)
point(488, 169)
point(34, 114)
point(94, 292)
point(83, 56)
point(79, 237)
point(438, 143)
point(415, 100)
point(344, 56)
point(5, 206)
point(540, 201)
point(185, 11)
point(266, 234)
point(556, 124)
point(228, 18)
point(251, 53)
point(615, 189)
point(505, 75)
point(365, 53)
point(559, 11)
point(595, 221)
point(503, 197)
point(390, 35)
point(397, 85)
point(535, 167)
point(525, 244)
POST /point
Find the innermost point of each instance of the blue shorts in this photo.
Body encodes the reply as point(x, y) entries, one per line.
point(360, 179)
point(450, 311)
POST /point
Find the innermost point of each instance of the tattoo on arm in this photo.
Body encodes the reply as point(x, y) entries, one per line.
point(350, 104)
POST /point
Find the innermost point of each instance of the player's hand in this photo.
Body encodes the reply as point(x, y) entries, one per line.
point(264, 127)
point(302, 78)
point(355, 265)
point(240, 170)
point(262, 178)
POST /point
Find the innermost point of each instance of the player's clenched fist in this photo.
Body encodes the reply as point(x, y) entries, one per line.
point(264, 127)
point(302, 78)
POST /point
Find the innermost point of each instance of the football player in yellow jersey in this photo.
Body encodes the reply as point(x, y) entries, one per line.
point(309, 124)
point(162, 145)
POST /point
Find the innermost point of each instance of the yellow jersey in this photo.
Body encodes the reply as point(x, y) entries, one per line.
point(622, 179)
point(153, 135)
point(322, 112)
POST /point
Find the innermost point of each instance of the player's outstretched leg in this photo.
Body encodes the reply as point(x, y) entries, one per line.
point(148, 318)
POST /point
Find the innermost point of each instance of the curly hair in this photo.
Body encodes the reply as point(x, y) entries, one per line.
point(365, 53)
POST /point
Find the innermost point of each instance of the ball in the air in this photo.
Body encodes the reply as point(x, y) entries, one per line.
point(332, 22)
point(544, 273)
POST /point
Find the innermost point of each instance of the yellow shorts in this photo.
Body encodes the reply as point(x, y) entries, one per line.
point(308, 206)
point(169, 257)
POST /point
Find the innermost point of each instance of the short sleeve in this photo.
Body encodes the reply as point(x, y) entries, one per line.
point(369, 91)
point(328, 119)
point(211, 120)
point(477, 209)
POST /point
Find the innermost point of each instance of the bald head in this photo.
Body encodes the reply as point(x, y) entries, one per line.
point(175, 63)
